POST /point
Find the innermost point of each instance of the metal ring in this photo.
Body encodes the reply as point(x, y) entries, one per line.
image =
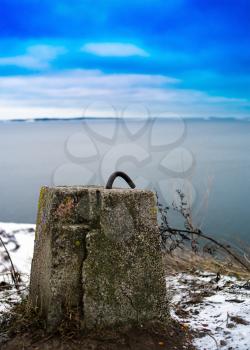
point(121, 174)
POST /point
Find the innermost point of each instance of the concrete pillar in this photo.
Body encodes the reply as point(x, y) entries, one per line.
point(97, 256)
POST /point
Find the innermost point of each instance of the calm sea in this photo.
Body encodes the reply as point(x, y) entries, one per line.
point(208, 160)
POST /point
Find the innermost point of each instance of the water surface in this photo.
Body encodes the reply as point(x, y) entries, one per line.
point(208, 159)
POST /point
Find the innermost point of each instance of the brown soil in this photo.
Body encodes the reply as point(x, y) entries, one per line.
point(174, 336)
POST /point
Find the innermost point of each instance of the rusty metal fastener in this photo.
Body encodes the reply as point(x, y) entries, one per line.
point(121, 174)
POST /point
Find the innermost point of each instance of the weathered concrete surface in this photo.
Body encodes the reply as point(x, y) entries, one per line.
point(97, 253)
point(59, 252)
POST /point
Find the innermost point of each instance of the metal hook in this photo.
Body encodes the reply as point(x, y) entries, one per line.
point(121, 174)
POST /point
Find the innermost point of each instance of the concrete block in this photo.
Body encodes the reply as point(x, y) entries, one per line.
point(97, 253)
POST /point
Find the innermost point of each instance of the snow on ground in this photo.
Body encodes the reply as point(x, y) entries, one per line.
point(19, 240)
point(217, 310)
point(20, 236)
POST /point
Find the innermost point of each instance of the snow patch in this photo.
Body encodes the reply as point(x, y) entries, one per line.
point(217, 310)
point(19, 240)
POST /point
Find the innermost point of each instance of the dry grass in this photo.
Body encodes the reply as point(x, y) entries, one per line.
point(239, 320)
point(184, 260)
point(24, 329)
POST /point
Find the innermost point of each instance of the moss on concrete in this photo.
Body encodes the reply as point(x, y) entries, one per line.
point(123, 275)
point(97, 251)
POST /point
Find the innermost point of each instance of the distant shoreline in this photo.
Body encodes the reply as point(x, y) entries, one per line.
point(193, 119)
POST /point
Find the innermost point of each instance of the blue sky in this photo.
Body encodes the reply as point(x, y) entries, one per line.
point(174, 57)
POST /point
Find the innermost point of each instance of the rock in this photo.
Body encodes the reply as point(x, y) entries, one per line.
point(97, 254)
point(223, 342)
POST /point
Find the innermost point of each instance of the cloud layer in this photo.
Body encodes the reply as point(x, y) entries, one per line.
point(36, 57)
point(114, 50)
point(68, 94)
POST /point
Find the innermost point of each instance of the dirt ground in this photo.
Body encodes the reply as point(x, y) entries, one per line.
point(174, 336)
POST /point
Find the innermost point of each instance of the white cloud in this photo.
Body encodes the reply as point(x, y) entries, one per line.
point(110, 49)
point(36, 57)
point(67, 93)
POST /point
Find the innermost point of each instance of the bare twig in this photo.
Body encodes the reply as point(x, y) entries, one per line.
point(173, 238)
point(222, 246)
point(14, 274)
point(210, 335)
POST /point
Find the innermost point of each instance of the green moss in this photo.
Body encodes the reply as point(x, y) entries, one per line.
point(99, 254)
point(41, 205)
point(153, 211)
point(130, 277)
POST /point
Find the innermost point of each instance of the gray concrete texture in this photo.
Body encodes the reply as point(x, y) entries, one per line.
point(97, 255)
